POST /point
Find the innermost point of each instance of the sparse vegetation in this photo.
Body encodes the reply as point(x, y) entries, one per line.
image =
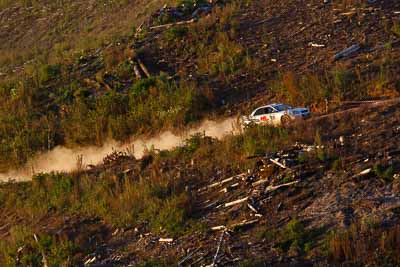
point(76, 117)
point(376, 246)
point(396, 28)
point(295, 237)
point(24, 250)
point(164, 203)
point(155, 199)
point(72, 75)
point(337, 164)
point(384, 173)
point(176, 33)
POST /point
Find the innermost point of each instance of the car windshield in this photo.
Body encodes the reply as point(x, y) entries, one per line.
point(282, 107)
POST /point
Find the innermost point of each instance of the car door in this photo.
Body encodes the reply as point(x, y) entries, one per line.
point(261, 115)
point(273, 115)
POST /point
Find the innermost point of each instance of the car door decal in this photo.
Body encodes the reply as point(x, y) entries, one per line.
point(264, 118)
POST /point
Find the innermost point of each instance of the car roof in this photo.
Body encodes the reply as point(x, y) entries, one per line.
point(277, 104)
point(271, 105)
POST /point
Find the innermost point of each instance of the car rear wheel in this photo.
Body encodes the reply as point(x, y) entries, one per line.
point(285, 120)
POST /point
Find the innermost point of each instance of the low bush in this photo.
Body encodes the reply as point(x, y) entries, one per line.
point(295, 237)
point(48, 72)
point(384, 173)
point(162, 203)
point(176, 33)
point(24, 250)
point(75, 115)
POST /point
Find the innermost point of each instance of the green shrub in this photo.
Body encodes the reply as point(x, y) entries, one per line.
point(396, 28)
point(48, 72)
point(193, 143)
point(384, 173)
point(258, 139)
point(58, 252)
point(223, 57)
point(320, 149)
point(141, 88)
point(337, 165)
point(125, 70)
point(295, 236)
point(165, 18)
point(189, 5)
point(176, 33)
point(161, 202)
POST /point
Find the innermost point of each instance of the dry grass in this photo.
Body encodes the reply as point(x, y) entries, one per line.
point(64, 29)
point(374, 245)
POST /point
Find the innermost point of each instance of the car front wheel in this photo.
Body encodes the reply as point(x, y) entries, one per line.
point(285, 120)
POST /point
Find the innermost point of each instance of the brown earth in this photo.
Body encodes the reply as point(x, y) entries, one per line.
point(329, 194)
point(296, 36)
point(325, 197)
point(53, 28)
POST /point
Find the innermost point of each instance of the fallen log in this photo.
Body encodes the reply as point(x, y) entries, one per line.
point(316, 45)
point(221, 239)
point(218, 228)
point(278, 163)
point(244, 224)
point(363, 173)
point(252, 208)
point(227, 180)
point(90, 260)
point(197, 261)
point(172, 24)
point(44, 259)
point(347, 52)
point(272, 188)
point(260, 182)
point(229, 188)
point(221, 182)
point(211, 205)
point(138, 30)
point(144, 69)
point(166, 240)
point(137, 71)
point(302, 29)
point(233, 203)
point(188, 257)
point(265, 21)
point(347, 14)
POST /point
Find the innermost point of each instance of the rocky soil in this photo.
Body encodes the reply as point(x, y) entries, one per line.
point(326, 186)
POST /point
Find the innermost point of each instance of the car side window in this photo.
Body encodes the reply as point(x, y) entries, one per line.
point(269, 110)
point(260, 111)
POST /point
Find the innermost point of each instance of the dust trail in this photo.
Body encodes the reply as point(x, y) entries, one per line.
point(62, 159)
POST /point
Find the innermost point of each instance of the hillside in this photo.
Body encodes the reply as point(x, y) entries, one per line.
point(79, 74)
point(56, 30)
point(235, 55)
point(335, 202)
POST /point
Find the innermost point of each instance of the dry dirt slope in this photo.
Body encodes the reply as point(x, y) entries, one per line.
point(36, 29)
point(302, 37)
point(343, 175)
point(350, 186)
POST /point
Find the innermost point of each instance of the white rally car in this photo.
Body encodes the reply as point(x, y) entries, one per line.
point(275, 114)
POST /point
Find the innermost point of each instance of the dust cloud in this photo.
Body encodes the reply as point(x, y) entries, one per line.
point(62, 159)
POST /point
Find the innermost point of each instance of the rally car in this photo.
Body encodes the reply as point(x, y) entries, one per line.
point(275, 114)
